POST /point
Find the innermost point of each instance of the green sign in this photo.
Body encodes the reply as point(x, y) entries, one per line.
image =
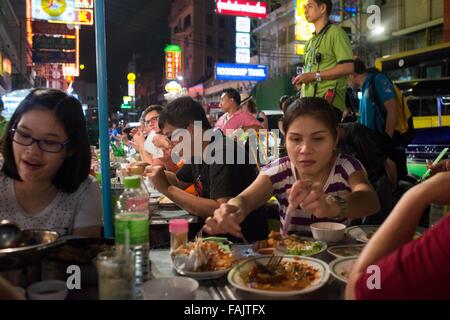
point(172, 48)
point(126, 106)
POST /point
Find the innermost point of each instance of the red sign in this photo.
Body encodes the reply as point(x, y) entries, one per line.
point(173, 65)
point(44, 27)
point(242, 8)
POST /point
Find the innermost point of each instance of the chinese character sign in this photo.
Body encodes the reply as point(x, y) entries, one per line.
point(173, 62)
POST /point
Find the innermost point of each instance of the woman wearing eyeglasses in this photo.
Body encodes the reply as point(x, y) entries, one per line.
point(44, 180)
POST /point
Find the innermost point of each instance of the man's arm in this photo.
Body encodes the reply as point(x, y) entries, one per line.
point(391, 117)
point(174, 181)
point(399, 227)
point(340, 70)
point(198, 206)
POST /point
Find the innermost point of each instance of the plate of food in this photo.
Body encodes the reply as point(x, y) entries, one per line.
point(293, 276)
point(203, 259)
point(294, 245)
point(364, 233)
point(346, 250)
point(340, 268)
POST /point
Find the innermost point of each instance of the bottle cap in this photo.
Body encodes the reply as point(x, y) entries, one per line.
point(178, 226)
point(132, 182)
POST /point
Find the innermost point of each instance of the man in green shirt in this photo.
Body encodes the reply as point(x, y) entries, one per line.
point(328, 58)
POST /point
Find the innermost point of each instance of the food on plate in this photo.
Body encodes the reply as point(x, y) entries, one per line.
point(347, 251)
point(165, 200)
point(293, 245)
point(203, 256)
point(346, 272)
point(287, 276)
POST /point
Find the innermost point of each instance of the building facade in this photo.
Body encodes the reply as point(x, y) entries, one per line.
point(204, 37)
point(13, 69)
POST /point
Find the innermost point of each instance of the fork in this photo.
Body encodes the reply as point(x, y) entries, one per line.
point(277, 257)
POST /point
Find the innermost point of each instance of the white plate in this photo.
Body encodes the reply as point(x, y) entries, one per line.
point(235, 278)
point(359, 233)
point(331, 250)
point(208, 275)
point(169, 214)
point(341, 267)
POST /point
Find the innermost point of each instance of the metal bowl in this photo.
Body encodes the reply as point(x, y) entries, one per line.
point(33, 244)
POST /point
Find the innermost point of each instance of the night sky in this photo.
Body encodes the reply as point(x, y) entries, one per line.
point(132, 26)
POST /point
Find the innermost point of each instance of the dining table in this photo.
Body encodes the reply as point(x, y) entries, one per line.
point(161, 266)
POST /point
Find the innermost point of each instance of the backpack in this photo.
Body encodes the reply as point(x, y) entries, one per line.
point(404, 128)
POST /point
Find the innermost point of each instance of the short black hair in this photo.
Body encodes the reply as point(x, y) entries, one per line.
point(182, 112)
point(154, 107)
point(360, 66)
point(317, 108)
point(328, 3)
point(67, 109)
point(233, 94)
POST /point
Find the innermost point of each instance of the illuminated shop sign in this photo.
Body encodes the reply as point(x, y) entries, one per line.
point(173, 61)
point(247, 72)
point(242, 8)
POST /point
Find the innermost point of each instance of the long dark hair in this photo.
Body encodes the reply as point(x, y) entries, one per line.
point(69, 112)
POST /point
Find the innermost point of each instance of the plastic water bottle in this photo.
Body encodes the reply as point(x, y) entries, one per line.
point(132, 214)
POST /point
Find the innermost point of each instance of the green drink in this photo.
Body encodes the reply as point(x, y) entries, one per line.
point(137, 225)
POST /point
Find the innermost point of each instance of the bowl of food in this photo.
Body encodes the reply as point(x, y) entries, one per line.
point(294, 275)
point(328, 231)
point(173, 288)
point(340, 268)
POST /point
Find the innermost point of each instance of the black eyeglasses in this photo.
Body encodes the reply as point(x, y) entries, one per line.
point(151, 120)
point(45, 145)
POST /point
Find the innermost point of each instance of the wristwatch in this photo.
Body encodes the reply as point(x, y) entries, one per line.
point(343, 205)
point(318, 77)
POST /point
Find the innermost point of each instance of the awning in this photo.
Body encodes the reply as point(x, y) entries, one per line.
point(268, 93)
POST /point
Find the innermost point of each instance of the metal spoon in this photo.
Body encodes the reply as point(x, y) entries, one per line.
point(10, 234)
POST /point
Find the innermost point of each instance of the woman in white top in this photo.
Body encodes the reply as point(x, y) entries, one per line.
point(44, 181)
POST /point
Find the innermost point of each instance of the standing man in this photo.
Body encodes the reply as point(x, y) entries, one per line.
point(328, 58)
point(234, 117)
point(371, 115)
point(381, 118)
